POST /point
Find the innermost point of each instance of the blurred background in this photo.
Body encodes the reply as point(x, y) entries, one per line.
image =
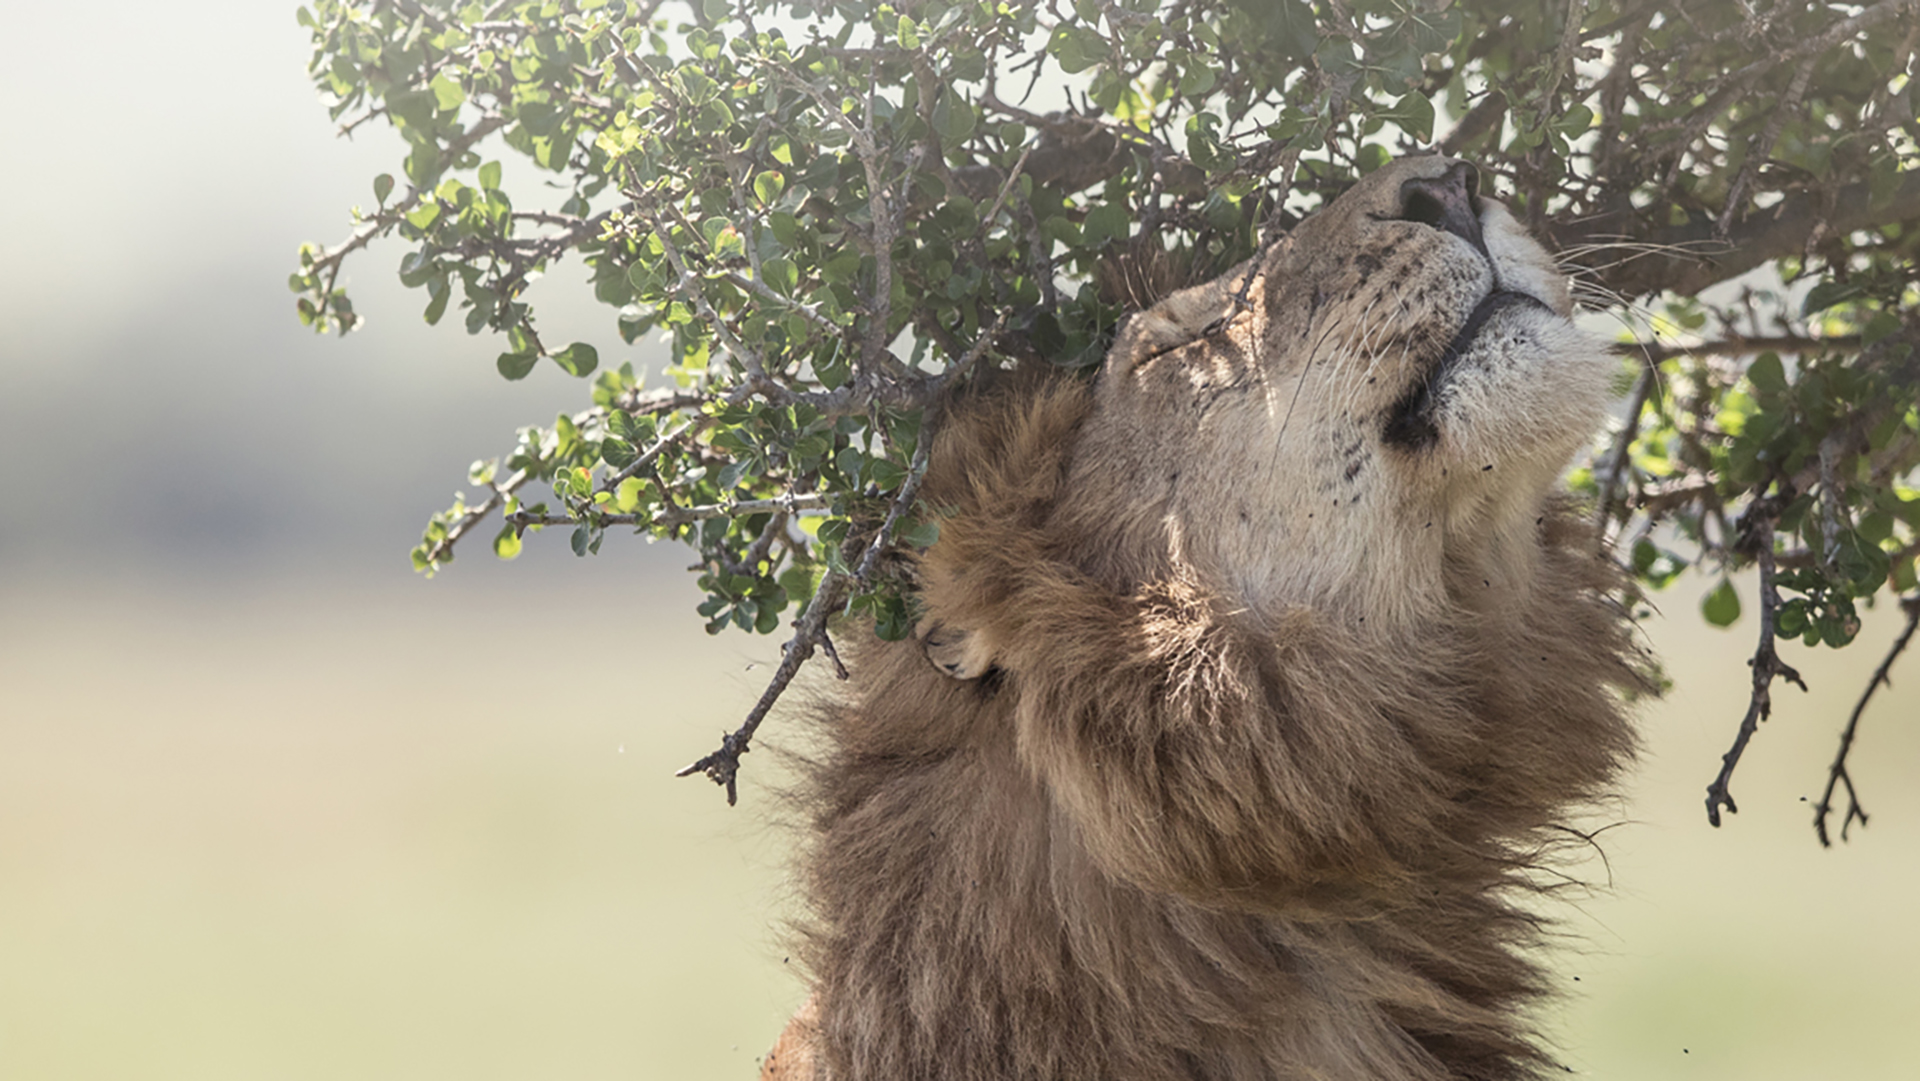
point(273, 806)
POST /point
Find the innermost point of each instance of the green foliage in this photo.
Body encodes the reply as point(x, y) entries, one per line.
point(792, 195)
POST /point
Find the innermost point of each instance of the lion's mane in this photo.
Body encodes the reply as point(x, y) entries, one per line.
point(1166, 836)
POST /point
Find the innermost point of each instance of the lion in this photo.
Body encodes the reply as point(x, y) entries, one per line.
point(1256, 678)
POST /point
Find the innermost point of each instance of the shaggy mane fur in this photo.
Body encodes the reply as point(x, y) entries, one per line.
point(1172, 834)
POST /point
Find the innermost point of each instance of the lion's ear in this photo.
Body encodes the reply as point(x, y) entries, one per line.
point(955, 651)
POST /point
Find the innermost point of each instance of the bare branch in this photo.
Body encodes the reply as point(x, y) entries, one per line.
point(1759, 152)
point(1006, 189)
point(722, 766)
point(651, 454)
point(689, 286)
point(1610, 483)
point(1837, 774)
point(1757, 527)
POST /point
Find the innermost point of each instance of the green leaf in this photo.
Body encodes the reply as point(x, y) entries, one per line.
point(581, 536)
point(953, 118)
point(924, 535)
point(781, 274)
point(1826, 295)
point(1575, 122)
point(1791, 620)
point(1076, 48)
point(447, 93)
point(412, 109)
point(1293, 29)
point(1882, 326)
point(578, 359)
point(626, 498)
point(1335, 56)
point(1105, 222)
point(437, 306)
point(891, 621)
point(767, 187)
point(506, 544)
point(1722, 606)
point(490, 176)
point(516, 365)
point(1767, 375)
point(1197, 79)
point(1414, 114)
point(617, 452)
point(841, 266)
point(886, 475)
point(382, 187)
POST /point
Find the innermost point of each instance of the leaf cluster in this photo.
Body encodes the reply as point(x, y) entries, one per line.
point(829, 211)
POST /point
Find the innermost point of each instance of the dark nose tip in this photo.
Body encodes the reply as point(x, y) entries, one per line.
point(1450, 201)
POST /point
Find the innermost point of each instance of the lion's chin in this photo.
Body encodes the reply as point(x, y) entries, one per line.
point(1518, 379)
point(1413, 423)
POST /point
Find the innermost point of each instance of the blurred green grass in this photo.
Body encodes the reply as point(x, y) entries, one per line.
point(375, 833)
point(324, 834)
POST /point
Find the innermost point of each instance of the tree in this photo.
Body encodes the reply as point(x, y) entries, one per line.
point(833, 210)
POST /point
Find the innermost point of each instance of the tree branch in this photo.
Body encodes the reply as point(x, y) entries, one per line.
point(722, 765)
point(1636, 404)
point(1837, 774)
point(1688, 258)
point(1480, 119)
point(1757, 527)
point(1741, 347)
point(672, 516)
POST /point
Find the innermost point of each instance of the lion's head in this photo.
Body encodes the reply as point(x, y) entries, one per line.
point(1359, 419)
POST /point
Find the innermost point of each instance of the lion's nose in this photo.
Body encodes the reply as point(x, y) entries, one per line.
point(1450, 201)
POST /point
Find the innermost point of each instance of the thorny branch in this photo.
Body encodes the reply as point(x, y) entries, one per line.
point(1837, 774)
point(722, 765)
point(1756, 531)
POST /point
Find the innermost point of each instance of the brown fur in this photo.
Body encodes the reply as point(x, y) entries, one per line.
point(1186, 822)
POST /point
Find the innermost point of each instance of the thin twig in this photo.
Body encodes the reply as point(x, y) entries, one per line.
point(1740, 347)
point(723, 764)
point(1757, 527)
point(1837, 774)
point(1636, 404)
point(833, 655)
point(672, 516)
point(1006, 189)
point(440, 552)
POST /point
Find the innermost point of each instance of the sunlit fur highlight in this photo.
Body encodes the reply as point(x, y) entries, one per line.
point(1266, 722)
